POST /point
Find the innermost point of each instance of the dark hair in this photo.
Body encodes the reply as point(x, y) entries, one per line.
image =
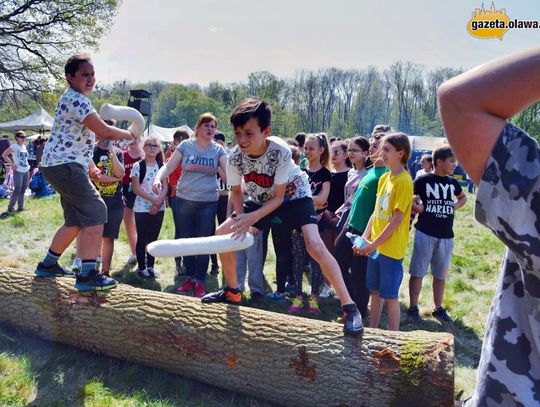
point(363, 143)
point(300, 139)
point(180, 134)
point(291, 142)
point(442, 153)
point(400, 141)
point(382, 127)
point(344, 146)
point(295, 153)
point(219, 136)
point(74, 61)
point(322, 141)
point(252, 107)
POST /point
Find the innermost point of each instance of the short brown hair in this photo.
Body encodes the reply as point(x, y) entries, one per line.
point(442, 153)
point(74, 61)
point(252, 107)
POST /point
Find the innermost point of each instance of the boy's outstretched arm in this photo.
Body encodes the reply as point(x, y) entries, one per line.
point(475, 105)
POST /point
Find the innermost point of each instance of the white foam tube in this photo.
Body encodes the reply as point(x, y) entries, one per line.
point(112, 112)
point(198, 245)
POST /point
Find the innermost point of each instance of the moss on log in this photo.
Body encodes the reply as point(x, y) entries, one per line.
point(285, 359)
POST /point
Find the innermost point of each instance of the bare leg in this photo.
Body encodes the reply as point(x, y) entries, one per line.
point(90, 241)
point(376, 309)
point(329, 266)
point(438, 291)
point(394, 314)
point(131, 231)
point(106, 254)
point(63, 238)
point(415, 286)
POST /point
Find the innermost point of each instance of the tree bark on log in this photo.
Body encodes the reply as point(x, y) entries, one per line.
point(285, 359)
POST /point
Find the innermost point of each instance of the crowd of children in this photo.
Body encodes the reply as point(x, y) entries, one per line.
point(311, 192)
point(369, 210)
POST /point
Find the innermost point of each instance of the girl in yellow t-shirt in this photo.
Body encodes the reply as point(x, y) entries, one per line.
point(388, 231)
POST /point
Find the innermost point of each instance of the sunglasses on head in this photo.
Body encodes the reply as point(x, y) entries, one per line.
point(151, 145)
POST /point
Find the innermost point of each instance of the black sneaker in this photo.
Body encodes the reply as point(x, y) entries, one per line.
point(227, 295)
point(441, 314)
point(413, 314)
point(352, 320)
point(256, 298)
point(95, 281)
point(53, 270)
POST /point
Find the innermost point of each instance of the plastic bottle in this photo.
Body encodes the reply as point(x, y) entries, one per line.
point(359, 242)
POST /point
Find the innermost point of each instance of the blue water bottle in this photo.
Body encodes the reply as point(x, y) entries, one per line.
point(360, 242)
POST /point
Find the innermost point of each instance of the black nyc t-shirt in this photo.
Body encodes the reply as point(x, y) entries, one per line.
point(437, 194)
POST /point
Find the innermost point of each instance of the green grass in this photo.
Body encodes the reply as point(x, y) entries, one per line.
point(37, 372)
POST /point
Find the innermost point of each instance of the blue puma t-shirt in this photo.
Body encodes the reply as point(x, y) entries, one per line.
point(198, 181)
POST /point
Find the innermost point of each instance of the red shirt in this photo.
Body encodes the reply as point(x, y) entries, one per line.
point(128, 165)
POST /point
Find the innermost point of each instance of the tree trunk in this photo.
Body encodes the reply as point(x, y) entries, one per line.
point(285, 359)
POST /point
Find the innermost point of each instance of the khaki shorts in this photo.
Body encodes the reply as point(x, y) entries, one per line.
point(81, 202)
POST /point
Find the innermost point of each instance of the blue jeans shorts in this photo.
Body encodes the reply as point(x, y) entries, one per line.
point(384, 274)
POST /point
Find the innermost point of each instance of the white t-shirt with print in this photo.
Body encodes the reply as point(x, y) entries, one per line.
point(141, 204)
point(20, 157)
point(70, 140)
point(261, 174)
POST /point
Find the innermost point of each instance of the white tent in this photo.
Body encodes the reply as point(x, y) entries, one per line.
point(426, 143)
point(40, 120)
point(165, 134)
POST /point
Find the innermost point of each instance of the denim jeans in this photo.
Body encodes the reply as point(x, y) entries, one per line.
point(252, 260)
point(194, 219)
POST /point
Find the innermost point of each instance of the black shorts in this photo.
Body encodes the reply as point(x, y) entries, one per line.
point(114, 219)
point(294, 214)
point(129, 196)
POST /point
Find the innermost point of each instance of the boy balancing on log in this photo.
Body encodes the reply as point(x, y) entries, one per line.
point(276, 187)
point(505, 162)
point(65, 165)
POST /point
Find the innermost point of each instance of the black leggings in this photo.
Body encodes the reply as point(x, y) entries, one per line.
point(281, 237)
point(355, 280)
point(148, 228)
point(221, 215)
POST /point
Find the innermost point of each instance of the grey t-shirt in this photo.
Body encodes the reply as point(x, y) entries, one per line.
point(198, 181)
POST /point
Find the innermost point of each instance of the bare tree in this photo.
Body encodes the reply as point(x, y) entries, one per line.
point(36, 36)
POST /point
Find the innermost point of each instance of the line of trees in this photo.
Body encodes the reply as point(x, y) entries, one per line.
point(36, 35)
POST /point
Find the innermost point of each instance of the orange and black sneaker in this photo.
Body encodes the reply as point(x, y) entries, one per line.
point(228, 295)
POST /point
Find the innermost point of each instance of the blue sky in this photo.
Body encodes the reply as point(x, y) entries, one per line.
point(199, 41)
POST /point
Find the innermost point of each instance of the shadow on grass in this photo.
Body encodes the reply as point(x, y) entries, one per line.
point(63, 373)
point(467, 343)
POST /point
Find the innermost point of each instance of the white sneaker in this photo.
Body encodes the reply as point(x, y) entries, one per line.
point(325, 292)
point(152, 272)
point(131, 260)
point(77, 265)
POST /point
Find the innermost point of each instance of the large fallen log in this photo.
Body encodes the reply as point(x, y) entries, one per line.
point(288, 360)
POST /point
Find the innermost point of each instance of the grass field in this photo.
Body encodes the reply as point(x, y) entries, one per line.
point(37, 372)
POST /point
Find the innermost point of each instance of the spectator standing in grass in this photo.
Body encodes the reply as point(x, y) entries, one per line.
point(434, 237)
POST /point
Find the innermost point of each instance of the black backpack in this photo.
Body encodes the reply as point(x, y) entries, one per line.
point(142, 172)
point(2, 172)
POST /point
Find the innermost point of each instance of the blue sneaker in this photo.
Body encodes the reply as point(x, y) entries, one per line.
point(53, 270)
point(280, 298)
point(290, 288)
point(95, 281)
